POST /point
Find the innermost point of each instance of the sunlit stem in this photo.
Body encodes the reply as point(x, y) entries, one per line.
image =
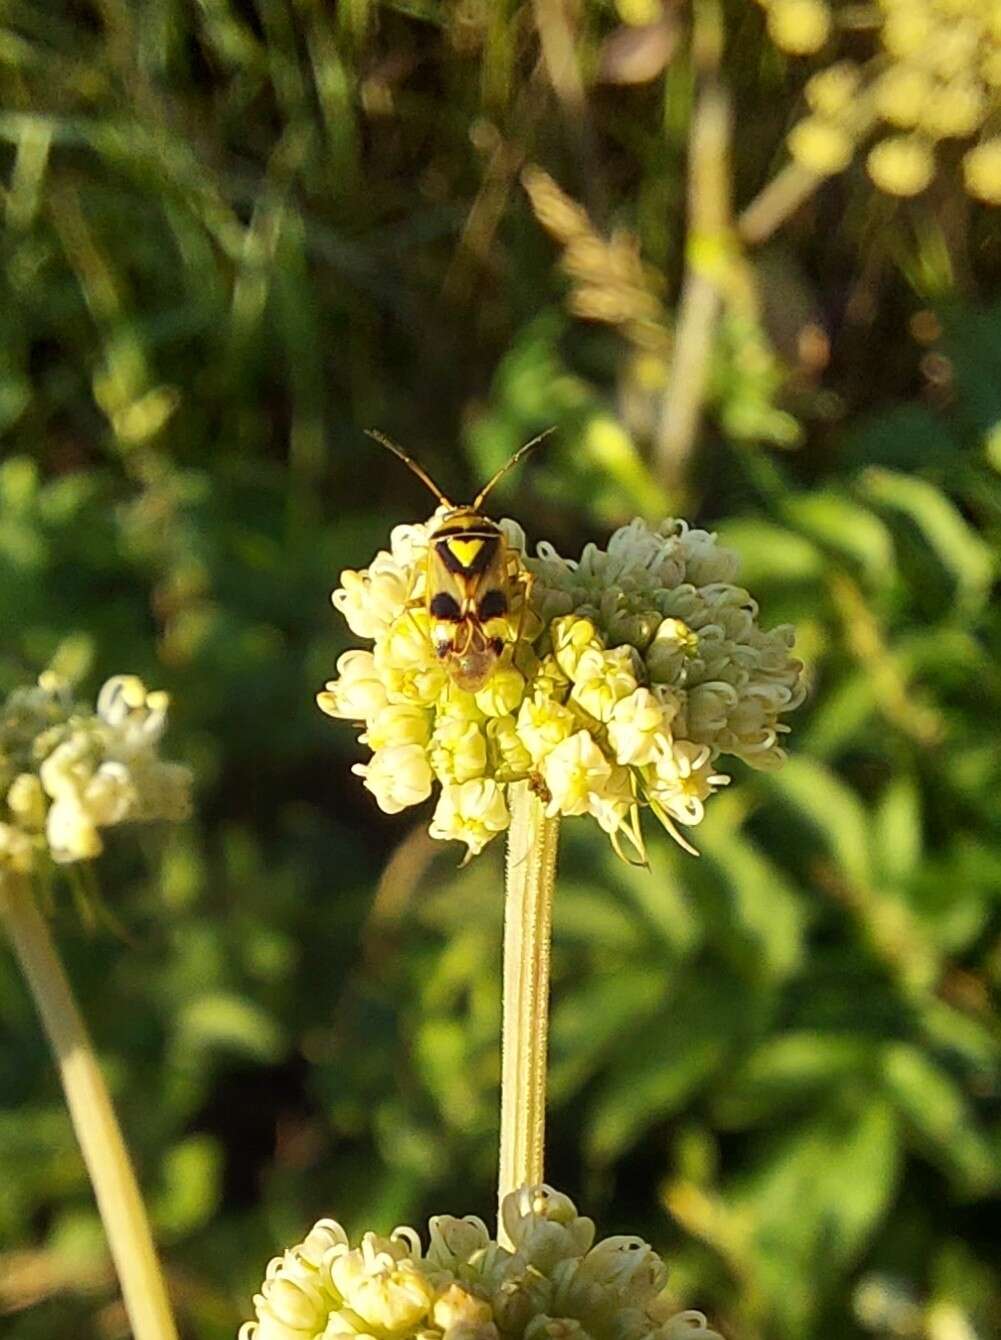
point(101, 1142)
point(531, 876)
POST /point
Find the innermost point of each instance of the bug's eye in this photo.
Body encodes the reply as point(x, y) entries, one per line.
point(444, 606)
point(493, 605)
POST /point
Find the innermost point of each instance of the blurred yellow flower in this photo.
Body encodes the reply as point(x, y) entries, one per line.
point(934, 70)
point(982, 171)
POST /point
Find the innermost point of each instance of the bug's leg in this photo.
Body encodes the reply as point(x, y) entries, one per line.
point(524, 579)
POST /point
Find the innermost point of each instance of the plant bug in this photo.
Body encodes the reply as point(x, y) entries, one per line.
point(469, 578)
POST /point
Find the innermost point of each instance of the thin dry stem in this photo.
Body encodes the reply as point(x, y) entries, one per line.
point(531, 877)
point(93, 1116)
point(709, 228)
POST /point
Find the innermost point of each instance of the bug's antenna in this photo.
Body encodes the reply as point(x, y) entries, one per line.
point(522, 451)
point(409, 462)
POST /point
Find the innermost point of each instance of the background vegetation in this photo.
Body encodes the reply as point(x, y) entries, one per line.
point(236, 233)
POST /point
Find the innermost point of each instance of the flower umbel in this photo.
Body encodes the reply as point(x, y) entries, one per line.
point(68, 771)
point(636, 668)
point(553, 1281)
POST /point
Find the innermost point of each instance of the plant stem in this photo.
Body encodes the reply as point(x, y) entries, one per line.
point(528, 902)
point(709, 236)
point(93, 1116)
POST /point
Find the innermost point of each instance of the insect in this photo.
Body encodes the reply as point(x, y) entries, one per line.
point(471, 576)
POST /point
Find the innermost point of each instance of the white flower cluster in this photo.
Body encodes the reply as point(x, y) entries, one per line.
point(554, 1283)
point(67, 771)
point(634, 670)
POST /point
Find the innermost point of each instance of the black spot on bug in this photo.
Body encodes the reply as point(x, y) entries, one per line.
point(467, 552)
point(493, 605)
point(497, 645)
point(444, 606)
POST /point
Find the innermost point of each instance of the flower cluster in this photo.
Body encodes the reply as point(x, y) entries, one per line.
point(551, 1283)
point(67, 771)
point(935, 75)
point(633, 670)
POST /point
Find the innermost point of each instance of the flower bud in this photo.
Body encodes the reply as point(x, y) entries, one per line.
point(571, 637)
point(502, 693)
point(398, 777)
point(820, 146)
point(901, 165)
point(370, 600)
point(398, 723)
point(26, 801)
point(359, 693)
point(799, 26)
point(982, 171)
point(830, 92)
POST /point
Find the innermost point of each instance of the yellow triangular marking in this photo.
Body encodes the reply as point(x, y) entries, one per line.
point(465, 550)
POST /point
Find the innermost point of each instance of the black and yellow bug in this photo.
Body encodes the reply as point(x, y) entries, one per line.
point(470, 579)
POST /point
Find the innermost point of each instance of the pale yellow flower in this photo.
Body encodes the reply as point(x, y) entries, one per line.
point(472, 812)
point(639, 722)
point(359, 693)
point(398, 723)
point(373, 599)
point(398, 777)
point(682, 778)
point(573, 772)
point(502, 693)
point(621, 651)
point(543, 724)
point(406, 661)
point(602, 679)
point(508, 754)
point(458, 749)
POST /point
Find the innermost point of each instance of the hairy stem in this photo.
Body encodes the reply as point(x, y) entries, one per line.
point(531, 877)
point(101, 1142)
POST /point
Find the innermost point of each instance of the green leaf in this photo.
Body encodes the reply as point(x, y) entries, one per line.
point(765, 916)
point(192, 1185)
point(897, 829)
point(225, 1022)
point(959, 548)
point(771, 553)
point(831, 808)
point(840, 524)
point(937, 1114)
point(658, 1069)
point(589, 1021)
point(792, 1070)
point(812, 1202)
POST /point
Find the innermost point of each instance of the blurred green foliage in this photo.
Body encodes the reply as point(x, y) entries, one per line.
point(237, 232)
